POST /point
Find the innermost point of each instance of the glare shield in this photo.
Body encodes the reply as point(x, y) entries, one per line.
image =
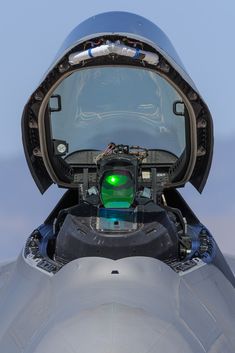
point(117, 189)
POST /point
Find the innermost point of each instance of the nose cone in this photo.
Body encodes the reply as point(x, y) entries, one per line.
point(116, 328)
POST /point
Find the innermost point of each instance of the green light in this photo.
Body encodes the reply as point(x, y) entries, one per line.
point(116, 180)
point(117, 190)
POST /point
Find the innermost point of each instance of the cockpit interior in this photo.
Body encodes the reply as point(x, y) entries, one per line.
point(116, 125)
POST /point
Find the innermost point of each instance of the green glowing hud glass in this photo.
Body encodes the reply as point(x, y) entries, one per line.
point(117, 190)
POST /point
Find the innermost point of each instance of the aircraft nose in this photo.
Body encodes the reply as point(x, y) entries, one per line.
point(117, 328)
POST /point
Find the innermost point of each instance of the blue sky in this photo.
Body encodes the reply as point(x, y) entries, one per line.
point(31, 33)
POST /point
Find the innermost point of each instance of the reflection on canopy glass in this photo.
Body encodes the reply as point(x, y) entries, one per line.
point(126, 105)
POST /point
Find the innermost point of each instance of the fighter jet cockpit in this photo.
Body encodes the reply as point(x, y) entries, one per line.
point(122, 263)
point(118, 123)
point(88, 110)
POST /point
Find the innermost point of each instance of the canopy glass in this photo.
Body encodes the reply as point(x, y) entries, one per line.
point(124, 105)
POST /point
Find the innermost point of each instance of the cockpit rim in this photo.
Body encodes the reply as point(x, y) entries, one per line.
point(44, 127)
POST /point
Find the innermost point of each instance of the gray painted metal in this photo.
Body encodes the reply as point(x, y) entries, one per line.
point(231, 261)
point(147, 307)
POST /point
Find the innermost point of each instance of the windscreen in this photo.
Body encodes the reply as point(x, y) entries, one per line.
point(124, 105)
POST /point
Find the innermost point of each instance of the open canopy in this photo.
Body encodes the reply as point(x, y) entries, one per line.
point(117, 78)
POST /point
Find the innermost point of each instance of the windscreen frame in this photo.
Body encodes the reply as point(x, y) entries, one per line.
point(45, 128)
point(126, 105)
